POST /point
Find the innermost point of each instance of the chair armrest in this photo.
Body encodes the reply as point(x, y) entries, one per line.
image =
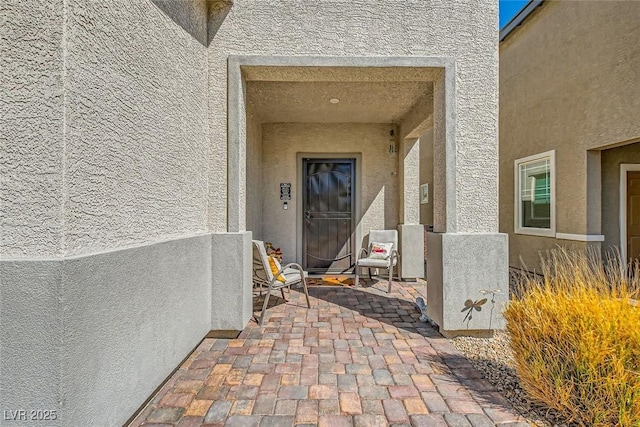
point(366, 253)
point(284, 267)
point(292, 265)
point(394, 254)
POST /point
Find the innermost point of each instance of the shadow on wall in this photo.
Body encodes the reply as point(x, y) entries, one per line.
point(471, 306)
point(202, 19)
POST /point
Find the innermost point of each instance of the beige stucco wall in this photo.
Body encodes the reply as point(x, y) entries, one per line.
point(136, 138)
point(463, 31)
point(255, 183)
point(379, 169)
point(103, 172)
point(611, 161)
point(32, 122)
point(567, 82)
point(412, 126)
point(426, 175)
point(106, 142)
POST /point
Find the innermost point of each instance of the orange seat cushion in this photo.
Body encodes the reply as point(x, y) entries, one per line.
point(275, 267)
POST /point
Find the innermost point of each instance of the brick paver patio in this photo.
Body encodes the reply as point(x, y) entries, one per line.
point(358, 357)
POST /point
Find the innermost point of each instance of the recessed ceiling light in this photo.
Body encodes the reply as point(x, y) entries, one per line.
point(334, 100)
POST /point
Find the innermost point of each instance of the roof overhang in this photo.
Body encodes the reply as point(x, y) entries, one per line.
point(517, 20)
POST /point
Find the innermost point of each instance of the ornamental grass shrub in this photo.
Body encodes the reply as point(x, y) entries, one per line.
point(575, 333)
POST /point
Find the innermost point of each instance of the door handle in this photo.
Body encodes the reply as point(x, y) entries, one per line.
point(307, 215)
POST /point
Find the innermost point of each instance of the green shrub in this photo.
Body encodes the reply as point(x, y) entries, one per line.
point(576, 338)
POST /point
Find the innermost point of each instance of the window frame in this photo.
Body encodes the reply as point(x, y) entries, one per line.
point(533, 231)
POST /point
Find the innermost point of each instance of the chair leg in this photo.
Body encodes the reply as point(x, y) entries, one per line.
point(282, 292)
point(357, 280)
point(306, 293)
point(390, 277)
point(369, 270)
point(264, 306)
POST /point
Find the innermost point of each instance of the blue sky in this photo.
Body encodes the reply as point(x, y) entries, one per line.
point(508, 9)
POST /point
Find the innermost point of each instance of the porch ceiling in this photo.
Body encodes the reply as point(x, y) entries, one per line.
point(375, 101)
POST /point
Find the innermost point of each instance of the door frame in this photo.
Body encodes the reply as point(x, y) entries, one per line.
point(357, 215)
point(624, 168)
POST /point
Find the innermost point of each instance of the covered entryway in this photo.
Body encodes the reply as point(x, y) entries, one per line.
point(343, 134)
point(341, 138)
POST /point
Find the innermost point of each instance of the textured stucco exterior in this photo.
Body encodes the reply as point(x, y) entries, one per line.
point(123, 179)
point(379, 170)
point(104, 157)
point(232, 302)
point(255, 172)
point(465, 31)
point(409, 200)
point(413, 126)
point(136, 129)
point(426, 175)
point(32, 122)
point(450, 289)
point(568, 82)
point(443, 220)
point(446, 169)
point(104, 146)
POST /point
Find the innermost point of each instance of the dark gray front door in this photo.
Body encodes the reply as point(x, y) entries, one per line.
point(328, 207)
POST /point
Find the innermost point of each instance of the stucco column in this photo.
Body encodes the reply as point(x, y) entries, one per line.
point(237, 151)
point(231, 281)
point(439, 190)
point(466, 257)
point(409, 159)
point(411, 231)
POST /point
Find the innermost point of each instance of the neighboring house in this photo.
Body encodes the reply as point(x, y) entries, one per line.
point(570, 128)
point(145, 143)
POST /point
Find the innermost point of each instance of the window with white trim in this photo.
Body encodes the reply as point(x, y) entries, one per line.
point(535, 194)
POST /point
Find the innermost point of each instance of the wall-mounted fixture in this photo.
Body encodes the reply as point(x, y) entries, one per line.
point(424, 193)
point(285, 191)
point(334, 100)
point(393, 148)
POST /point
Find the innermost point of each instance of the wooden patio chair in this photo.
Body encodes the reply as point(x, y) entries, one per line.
point(285, 277)
point(382, 253)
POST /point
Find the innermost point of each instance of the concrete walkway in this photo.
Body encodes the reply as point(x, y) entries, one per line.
point(358, 357)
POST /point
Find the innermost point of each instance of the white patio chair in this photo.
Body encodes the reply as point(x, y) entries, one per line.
point(292, 273)
point(379, 259)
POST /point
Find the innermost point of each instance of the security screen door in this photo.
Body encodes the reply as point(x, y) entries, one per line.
point(328, 210)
